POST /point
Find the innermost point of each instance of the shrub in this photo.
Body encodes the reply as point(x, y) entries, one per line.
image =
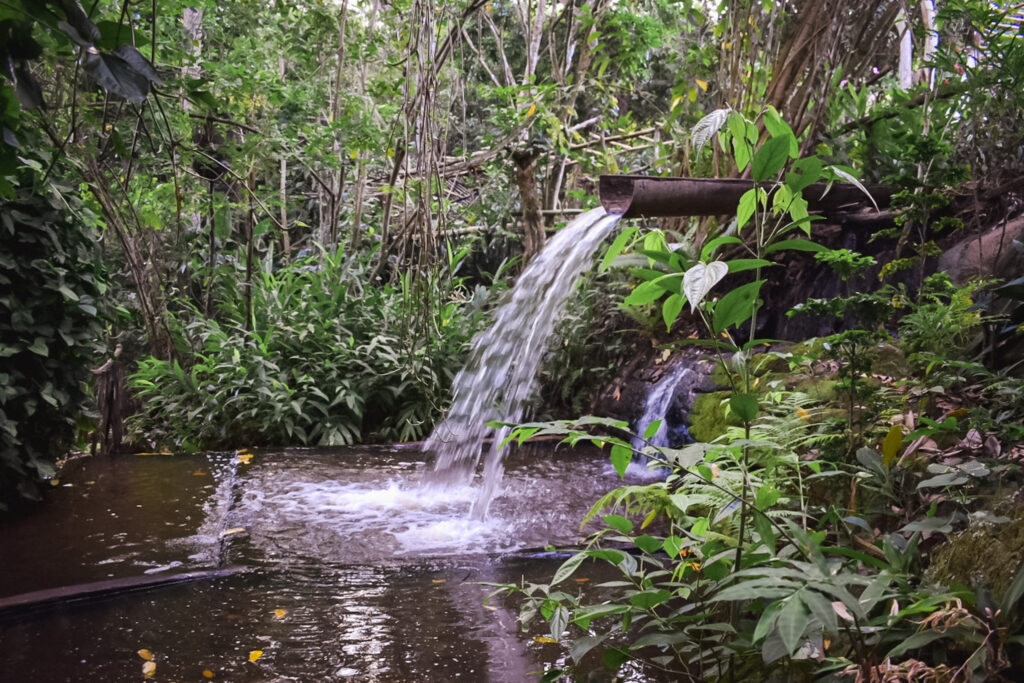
point(50, 279)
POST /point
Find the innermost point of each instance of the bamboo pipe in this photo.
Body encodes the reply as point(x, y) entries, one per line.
point(634, 196)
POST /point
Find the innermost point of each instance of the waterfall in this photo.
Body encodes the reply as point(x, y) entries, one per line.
point(656, 407)
point(500, 374)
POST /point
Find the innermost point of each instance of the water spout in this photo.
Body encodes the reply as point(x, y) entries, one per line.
point(499, 376)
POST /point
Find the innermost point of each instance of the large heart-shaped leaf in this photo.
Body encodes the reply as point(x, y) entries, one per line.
point(699, 280)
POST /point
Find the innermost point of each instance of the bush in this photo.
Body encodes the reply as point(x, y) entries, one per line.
point(51, 279)
point(328, 361)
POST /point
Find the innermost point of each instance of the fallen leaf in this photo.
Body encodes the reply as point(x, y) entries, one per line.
point(232, 531)
point(245, 458)
point(199, 474)
point(279, 613)
point(438, 580)
point(146, 654)
point(148, 669)
point(582, 580)
point(544, 639)
point(207, 673)
point(255, 654)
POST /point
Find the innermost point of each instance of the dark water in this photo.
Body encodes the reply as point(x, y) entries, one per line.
point(347, 569)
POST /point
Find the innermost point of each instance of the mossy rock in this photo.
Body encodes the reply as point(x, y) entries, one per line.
point(987, 554)
point(888, 360)
point(707, 416)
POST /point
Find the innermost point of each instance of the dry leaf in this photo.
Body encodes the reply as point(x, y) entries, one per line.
point(279, 613)
point(232, 531)
point(245, 458)
point(146, 654)
point(438, 581)
point(148, 669)
point(207, 673)
point(255, 654)
point(544, 639)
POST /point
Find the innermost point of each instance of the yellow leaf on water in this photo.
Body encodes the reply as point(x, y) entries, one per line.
point(279, 613)
point(245, 458)
point(232, 531)
point(582, 580)
point(148, 669)
point(146, 654)
point(207, 673)
point(544, 639)
point(199, 474)
point(255, 654)
point(438, 581)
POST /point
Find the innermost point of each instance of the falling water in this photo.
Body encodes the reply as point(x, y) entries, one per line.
point(656, 407)
point(500, 373)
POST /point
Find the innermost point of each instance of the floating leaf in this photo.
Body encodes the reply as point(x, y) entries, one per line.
point(148, 669)
point(207, 673)
point(245, 458)
point(255, 654)
point(146, 654)
point(232, 531)
point(544, 639)
point(699, 280)
point(279, 613)
point(436, 581)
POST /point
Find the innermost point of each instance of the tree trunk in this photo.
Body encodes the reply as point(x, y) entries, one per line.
point(533, 219)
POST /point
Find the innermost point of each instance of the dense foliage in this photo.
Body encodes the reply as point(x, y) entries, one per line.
point(52, 285)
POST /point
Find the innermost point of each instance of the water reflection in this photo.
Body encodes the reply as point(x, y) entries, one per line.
point(351, 570)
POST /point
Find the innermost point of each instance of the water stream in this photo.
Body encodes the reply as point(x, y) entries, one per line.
point(656, 407)
point(499, 376)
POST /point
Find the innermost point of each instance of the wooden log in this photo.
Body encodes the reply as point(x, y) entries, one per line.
point(103, 589)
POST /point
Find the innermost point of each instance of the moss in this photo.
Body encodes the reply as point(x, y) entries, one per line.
point(707, 416)
point(986, 554)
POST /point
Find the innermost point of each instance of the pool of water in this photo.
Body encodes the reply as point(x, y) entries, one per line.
point(340, 567)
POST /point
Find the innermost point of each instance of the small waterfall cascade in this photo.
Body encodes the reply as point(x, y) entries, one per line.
point(657, 407)
point(499, 376)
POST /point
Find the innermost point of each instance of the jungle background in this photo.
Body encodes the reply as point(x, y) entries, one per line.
point(281, 223)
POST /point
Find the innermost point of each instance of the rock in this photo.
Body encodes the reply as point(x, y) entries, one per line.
point(996, 253)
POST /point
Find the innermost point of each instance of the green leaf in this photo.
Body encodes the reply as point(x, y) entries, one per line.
point(670, 310)
point(770, 159)
point(645, 293)
point(619, 523)
point(568, 567)
point(845, 175)
point(649, 544)
point(699, 280)
point(39, 347)
point(746, 207)
point(621, 456)
point(650, 598)
point(673, 544)
point(792, 622)
point(741, 264)
point(737, 306)
point(616, 248)
point(709, 249)
point(744, 406)
point(799, 244)
point(652, 429)
point(1013, 593)
point(803, 173)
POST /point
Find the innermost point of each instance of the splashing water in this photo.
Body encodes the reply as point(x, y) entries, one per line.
point(500, 373)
